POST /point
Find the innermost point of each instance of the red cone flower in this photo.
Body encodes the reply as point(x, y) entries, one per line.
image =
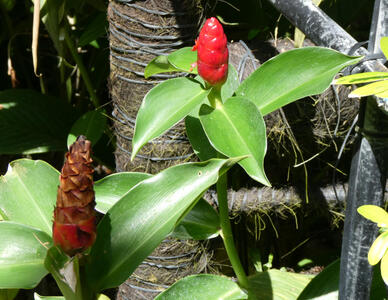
point(212, 57)
point(74, 227)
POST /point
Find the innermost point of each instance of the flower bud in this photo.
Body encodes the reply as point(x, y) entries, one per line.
point(74, 227)
point(212, 53)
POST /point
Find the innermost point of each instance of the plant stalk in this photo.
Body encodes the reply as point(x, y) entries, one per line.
point(82, 68)
point(226, 232)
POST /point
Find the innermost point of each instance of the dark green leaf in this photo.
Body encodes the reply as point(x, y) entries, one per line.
point(8, 294)
point(238, 129)
point(33, 123)
point(198, 139)
point(164, 106)
point(28, 192)
point(293, 75)
point(204, 287)
point(111, 188)
point(92, 125)
point(95, 29)
point(22, 253)
point(201, 223)
point(140, 220)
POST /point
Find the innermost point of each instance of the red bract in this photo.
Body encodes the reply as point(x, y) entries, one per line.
point(74, 227)
point(212, 57)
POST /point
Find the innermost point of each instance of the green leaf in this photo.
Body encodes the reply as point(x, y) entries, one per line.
point(277, 285)
point(361, 78)
point(379, 88)
point(384, 46)
point(22, 253)
point(111, 188)
point(201, 223)
point(183, 60)
point(33, 123)
point(324, 285)
point(52, 12)
point(28, 192)
point(164, 106)
point(238, 129)
point(95, 29)
point(177, 61)
point(140, 220)
point(39, 297)
point(159, 64)
point(198, 139)
point(375, 214)
point(293, 75)
point(8, 294)
point(65, 271)
point(92, 125)
point(378, 248)
point(203, 287)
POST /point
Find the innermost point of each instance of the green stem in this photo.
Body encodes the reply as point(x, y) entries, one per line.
point(226, 230)
point(215, 96)
point(82, 68)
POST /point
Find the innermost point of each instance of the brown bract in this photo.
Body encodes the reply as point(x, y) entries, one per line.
point(74, 227)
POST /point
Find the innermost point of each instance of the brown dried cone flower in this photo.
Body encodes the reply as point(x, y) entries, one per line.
point(74, 227)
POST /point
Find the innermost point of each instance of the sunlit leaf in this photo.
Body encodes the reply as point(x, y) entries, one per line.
point(140, 220)
point(204, 287)
point(374, 213)
point(362, 78)
point(22, 253)
point(293, 75)
point(375, 88)
point(378, 248)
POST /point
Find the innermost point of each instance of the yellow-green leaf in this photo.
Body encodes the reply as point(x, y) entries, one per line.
point(362, 78)
point(374, 213)
point(379, 87)
point(384, 268)
point(378, 248)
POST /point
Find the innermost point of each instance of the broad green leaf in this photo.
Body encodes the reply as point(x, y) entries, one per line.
point(140, 220)
point(65, 271)
point(178, 61)
point(384, 46)
point(111, 188)
point(198, 139)
point(94, 30)
point(22, 253)
point(164, 106)
point(236, 129)
point(39, 297)
point(31, 122)
point(293, 75)
point(201, 223)
point(52, 12)
point(183, 59)
point(378, 248)
point(159, 64)
point(361, 78)
point(379, 88)
point(203, 287)
point(375, 214)
point(92, 125)
point(28, 192)
point(277, 285)
point(8, 294)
